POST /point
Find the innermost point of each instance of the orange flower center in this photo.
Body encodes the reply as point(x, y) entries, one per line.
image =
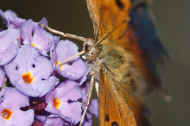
point(27, 77)
point(36, 46)
point(60, 66)
point(56, 103)
point(57, 63)
point(6, 114)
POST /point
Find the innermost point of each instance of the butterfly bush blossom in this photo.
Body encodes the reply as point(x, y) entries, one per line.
point(11, 114)
point(36, 89)
point(2, 77)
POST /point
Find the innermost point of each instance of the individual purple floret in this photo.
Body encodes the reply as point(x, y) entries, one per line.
point(27, 30)
point(41, 118)
point(93, 107)
point(74, 69)
point(9, 40)
point(65, 49)
point(88, 120)
point(11, 19)
point(31, 32)
point(2, 77)
point(65, 101)
point(37, 37)
point(31, 73)
point(10, 113)
point(56, 121)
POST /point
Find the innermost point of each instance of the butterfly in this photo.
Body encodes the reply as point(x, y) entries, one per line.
point(122, 57)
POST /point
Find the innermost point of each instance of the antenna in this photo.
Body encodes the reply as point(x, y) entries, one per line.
point(111, 32)
point(81, 38)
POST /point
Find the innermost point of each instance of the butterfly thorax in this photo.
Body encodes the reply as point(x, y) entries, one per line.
point(117, 63)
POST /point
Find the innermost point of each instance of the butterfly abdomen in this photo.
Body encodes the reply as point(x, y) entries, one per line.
point(121, 68)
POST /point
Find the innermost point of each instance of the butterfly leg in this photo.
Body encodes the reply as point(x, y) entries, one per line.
point(90, 89)
point(65, 35)
point(71, 58)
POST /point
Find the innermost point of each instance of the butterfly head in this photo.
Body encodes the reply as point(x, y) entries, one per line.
point(92, 50)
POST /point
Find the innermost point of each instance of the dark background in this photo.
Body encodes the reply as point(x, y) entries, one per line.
point(173, 22)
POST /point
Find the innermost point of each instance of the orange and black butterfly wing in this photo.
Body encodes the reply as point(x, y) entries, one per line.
point(112, 112)
point(144, 25)
point(106, 15)
point(115, 109)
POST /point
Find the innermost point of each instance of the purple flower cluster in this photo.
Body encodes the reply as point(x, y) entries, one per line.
point(36, 90)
